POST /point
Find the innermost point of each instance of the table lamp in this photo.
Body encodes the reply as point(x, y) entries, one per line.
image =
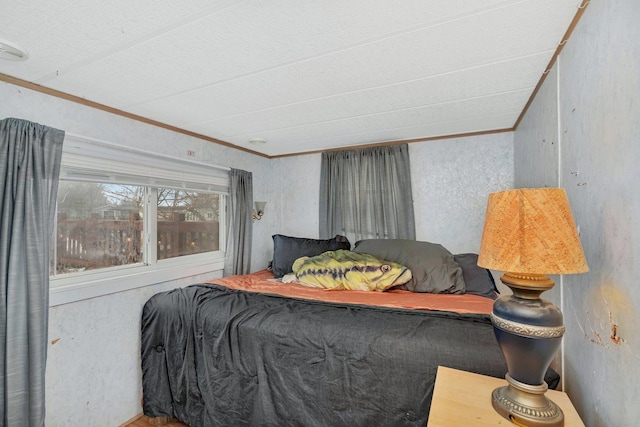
point(529, 233)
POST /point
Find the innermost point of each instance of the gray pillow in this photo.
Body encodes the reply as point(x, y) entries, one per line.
point(433, 268)
point(477, 280)
point(287, 249)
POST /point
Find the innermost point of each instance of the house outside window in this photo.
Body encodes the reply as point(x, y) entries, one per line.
point(98, 225)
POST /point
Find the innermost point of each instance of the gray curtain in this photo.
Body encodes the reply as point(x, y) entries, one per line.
point(366, 194)
point(238, 252)
point(29, 169)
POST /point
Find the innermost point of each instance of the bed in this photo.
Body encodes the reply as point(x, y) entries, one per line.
point(251, 350)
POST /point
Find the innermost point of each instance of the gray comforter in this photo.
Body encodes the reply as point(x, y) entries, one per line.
point(218, 357)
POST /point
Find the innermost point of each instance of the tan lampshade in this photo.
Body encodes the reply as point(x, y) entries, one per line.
point(531, 230)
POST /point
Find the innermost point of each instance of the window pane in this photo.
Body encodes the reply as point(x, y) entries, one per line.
point(98, 225)
point(188, 222)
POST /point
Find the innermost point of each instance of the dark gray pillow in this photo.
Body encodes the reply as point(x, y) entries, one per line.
point(287, 249)
point(478, 280)
point(433, 268)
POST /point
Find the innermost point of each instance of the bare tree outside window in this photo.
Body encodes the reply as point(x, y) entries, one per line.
point(100, 225)
point(188, 222)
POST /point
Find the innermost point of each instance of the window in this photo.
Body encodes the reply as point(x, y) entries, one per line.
point(127, 218)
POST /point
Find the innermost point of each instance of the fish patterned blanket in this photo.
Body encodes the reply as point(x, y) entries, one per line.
point(347, 270)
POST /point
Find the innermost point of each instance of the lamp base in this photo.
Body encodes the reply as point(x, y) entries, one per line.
point(526, 405)
point(529, 331)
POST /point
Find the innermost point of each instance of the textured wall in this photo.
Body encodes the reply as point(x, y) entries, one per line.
point(600, 120)
point(300, 189)
point(599, 126)
point(451, 180)
point(536, 141)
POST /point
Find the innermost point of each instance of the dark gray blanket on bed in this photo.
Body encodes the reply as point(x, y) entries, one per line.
point(218, 357)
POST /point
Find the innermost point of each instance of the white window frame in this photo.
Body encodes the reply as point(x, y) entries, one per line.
point(85, 159)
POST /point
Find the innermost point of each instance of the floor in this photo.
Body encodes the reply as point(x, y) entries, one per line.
point(144, 421)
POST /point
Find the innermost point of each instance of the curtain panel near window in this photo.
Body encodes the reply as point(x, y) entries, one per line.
point(366, 194)
point(238, 253)
point(29, 169)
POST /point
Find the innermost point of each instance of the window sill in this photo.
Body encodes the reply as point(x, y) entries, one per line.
point(72, 289)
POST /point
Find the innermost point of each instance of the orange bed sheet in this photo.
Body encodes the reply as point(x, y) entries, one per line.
point(263, 282)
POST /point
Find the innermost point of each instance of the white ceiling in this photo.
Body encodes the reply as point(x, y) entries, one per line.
point(303, 75)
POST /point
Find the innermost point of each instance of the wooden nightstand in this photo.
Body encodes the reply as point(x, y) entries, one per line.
point(464, 399)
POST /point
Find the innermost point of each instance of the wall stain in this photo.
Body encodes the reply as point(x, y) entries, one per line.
point(614, 332)
point(604, 321)
point(597, 338)
point(614, 335)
